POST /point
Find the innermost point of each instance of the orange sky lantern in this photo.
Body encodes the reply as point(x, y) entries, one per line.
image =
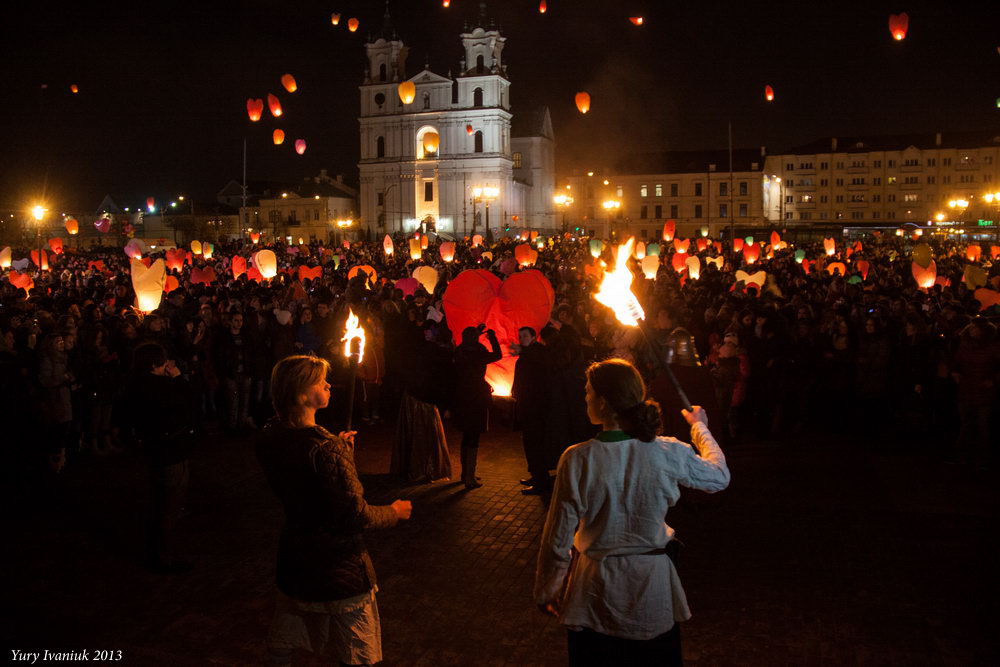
point(863, 267)
point(300, 146)
point(925, 277)
point(694, 267)
point(387, 246)
point(74, 89)
point(407, 92)
point(279, 137)
point(255, 237)
point(669, 227)
point(682, 245)
point(335, 18)
point(415, 250)
point(640, 250)
point(56, 245)
point(424, 242)
point(72, 226)
point(751, 252)
point(830, 246)
point(898, 25)
point(636, 20)
point(469, 130)
point(255, 109)
point(738, 245)
point(650, 265)
point(352, 24)
point(477, 240)
point(973, 252)
point(266, 263)
point(583, 102)
point(288, 81)
point(432, 141)
point(769, 93)
point(447, 250)
point(542, 7)
point(446, 3)
point(679, 262)
point(274, 104)
point(702, 244)
point(833, 268)
point(150, 203)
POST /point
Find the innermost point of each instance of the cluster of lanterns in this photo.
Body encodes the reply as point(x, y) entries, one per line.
point(255, 109)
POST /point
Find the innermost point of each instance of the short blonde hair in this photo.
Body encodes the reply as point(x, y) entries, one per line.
point(292, 377)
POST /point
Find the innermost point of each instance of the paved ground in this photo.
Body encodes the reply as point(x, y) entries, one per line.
point(820, 552)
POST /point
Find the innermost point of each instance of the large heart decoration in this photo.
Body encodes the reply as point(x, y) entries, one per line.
point(307, 273)
point(97, 265)
point(408, 286)
point(477, 296)
point(370, 271)
point(833, 267)
point(205, 276)
point(175, 258)
point(758, 279)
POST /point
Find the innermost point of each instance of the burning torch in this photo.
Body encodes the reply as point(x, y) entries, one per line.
point(354, 350)
point(616, 294)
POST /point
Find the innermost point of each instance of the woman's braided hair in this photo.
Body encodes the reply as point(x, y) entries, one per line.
point(620, 385)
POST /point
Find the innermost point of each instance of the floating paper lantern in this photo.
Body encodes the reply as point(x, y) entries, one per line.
point(922, 255)
point(669, 227)
point(650, 265)
point(431, 142)
point(542, 7)
point(447, 251)
point(170, 284)
point(134, 249)
point(150, 203)
point(204, 276)
point(636, 20)
point(335, 18)
point(387, 245)
point(898, 25)
point(525, 255)
point(682, 245)
point(196, 247)
point(175, 259)
point(288, 81)
point(72, 226)
point(425, 242)
point(974, 276)
point(759, 279)
point(751, 253)
point(207, 249)
point(21, 281)
point(925, 276)
point(679, 262)
point(427, 276)
point(653, 249)
point(640, 250)
point(407, 92)
point(300, 146)
point(255, 109)
point(973, 252)
point(74, 89)
point(266, 263)
point(738, 245)
point(693, 267)
point(446, 3)
point(469, 130)
point(717, 261)
point(44, 264)
point(352, 24)
point(583, 102)
point(595, 247)
point(830, 246)
point(274, 105)
point(987, 298)
point(56, 245)
point(255, 237)
point(863, 267)
point(833, 267)
point(702, 244)
point(148, 284)
point(5, 259)
point(310, 273)
point(239, 266)
point(769, 93)
point(278, 136)
point(477, 240)
point(415, 250)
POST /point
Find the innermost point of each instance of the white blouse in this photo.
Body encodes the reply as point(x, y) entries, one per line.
point(610, 501)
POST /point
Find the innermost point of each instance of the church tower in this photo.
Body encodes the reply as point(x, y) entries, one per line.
point(422, 162)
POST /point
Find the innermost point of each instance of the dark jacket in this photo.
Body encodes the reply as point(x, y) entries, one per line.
point(321, 554)
point(162, 416)
point(532, 387)
point(472, 392)
point(232, 359)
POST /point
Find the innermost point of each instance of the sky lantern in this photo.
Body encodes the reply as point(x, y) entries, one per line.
point(150, 203)
point(407, 92)
point(367, 269)
point(278, 136)
point(5, 260)
point(239, 266)
point(352, 24)
point(207, 250)
point(387, 245)
point(415, 250)
point(830, 246)
point(583, 102)
point(300, 146)
point(74, 89)
point(196, 247)
point(833, 267)
point(650, 265)
point(640, 250)
point(274, 104)
point(266, 262)
point(751, 252)
point(995, 251)
point(636, 20)
point(175, 259)
point(694, 267)
point(669, 227)
point(595, 247)
point(738, 245)
point(72, 226)
point(679, 262)
point(56, 245)
point(718, 261)
point(148, 284)
point(255, 237)
point(653, 249)
point(424, 242)
point(477, 240)
point(542, 7)
point(702, 244)
point(288, 81)
point(925, 276)
point(431, 142)
point(447, 251)
point(335, 18)
point(525, 255)
point(133, 249)
point(682, 245)
point(427, 276)
point(446, 3)
point(255, 109)
point(769, 93)
point(898, 24)
point(469, 130)
point(973, 252)
point(863, 267)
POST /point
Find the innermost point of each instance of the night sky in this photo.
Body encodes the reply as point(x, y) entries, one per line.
point(163, 86)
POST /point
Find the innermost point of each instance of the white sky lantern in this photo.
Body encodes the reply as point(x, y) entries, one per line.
point(387, 245)
point(5, 258)
point(266, 263)
point(426, 276)
point(694, 267)
point(650, 265)
point(148, 284)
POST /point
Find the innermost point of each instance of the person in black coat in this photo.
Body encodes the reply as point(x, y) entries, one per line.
point(567, 422)
point(472, 394)
point(532, 392)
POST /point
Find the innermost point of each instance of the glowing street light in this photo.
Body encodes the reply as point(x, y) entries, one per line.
point(484, 194)
point(610, 205)
point(563, 202)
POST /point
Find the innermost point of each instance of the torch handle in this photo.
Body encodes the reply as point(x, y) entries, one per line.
point(351, 380)
point(659, 363)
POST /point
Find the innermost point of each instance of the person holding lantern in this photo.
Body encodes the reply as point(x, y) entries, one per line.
point(624, 598)
point(326, 582)
point(472, 394)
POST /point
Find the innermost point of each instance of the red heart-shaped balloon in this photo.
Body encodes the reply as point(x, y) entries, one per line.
point(477, 296)
point(21, 280)
point(204, 276)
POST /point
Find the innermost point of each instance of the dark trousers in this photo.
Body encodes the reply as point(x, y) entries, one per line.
point(534, 450)
point(168, 488)
point(588, 648)
point(238, 400)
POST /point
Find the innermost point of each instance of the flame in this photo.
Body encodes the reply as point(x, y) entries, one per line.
point(616, 292)
point(351, 331)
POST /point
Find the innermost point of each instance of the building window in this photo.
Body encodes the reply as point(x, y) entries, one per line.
point(788, 215)
point(643, 190)
point(723, 210)
point(857, 198)
point(478, 148)
point(824, 215)
point(910, 197)
point(744, 188)
point(381, 199)
point(892, 163)
point(697, 210)
point(890, 214)
point(673, 210)
point(967, 178)
point(857, 163)
point(839, 182)
point(697, 191)
point(876, 198)
point(790, 182)
point(789, 166)
point(380, 147)
point(454, 91)
point(658, 211)
point(877, 163)
point(877, 180)
point(931, 161)
point(292, 215)
point(805, 215)
point(890, 197)
point(272, 216)
point(789, 199)
point(428, 190)
point(946, 179)
point(840, 199)
point(824, 182)
point(875, 215)
point(805, 165)
point(858, 181)
point(673, 189)
point(381, 72)
point(427, 100)
point(517, 160)
point(911, 163)
point(723, 189)
point(824, 165)
point(618, 191)
point(480, 64)
point(743, 210)
point(659, 189)
point(890, 180)
point(645, 233)
point(643, 212)
point(823, 199)
point(477, 96)
point(946, 162)
point(910, 180)
point(840, 165)
point(316, 214)
point(930, 180)
point(857, 215)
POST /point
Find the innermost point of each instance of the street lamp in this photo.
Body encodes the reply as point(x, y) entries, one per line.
point(38, 212)
point(485, 195)
point(610, 205)
point(344, 224)
point(563, 202)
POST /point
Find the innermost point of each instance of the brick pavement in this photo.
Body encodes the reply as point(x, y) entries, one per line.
point(820, 552)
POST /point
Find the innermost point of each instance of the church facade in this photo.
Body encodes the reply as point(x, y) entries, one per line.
point(446, 161)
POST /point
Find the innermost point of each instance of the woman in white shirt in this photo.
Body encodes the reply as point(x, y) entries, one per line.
point(605, 529)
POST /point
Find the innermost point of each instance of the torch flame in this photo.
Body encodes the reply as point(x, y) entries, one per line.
point(351, 331)
point(616, 292)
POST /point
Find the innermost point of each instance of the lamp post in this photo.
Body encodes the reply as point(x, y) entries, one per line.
point(563, 202)
point(344, 225)
point(38, 212)
point(485, 195)
point(610, 205)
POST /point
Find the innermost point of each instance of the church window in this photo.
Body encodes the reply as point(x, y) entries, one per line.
point(429, 191)
point(380, 99)
point(479, 141)
point(380, 147)
point(381, 72)
point(454, 92)
point(477, 97)
point(517, 160)
point(381, 199)
point(480, 64)
point(427, 100)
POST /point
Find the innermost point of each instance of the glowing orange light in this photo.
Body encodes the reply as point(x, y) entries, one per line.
point(616, 293)
point(353, 330)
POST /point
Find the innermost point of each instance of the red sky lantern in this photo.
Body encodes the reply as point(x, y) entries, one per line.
point(239, 266)
point(424, 242)
point(669, 227)
point(542, 7)
point(300, 146)
point(288, 81)
point(469, 130)
point(72, 226)
point(255, 237)
point(862, 266)
point(898, 24)
point(278, 137)
point(751, 252)
point(636, 20)
point(702, 244)
point(446, 3)
point(74, 89)
point(769, 93)
point(274, 105)
point(679, 262)
point(56, 245)
point(150, 203)
point(352, 24)
point(335, 18)
point(583, 102)
point(738, 245)
point(255, 108)
point(681, 246)
point(973, 252)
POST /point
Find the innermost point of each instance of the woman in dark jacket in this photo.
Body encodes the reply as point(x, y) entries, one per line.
point(326, 582)
point(472, 394)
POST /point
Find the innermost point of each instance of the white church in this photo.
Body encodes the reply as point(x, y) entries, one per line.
point(455, 157)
